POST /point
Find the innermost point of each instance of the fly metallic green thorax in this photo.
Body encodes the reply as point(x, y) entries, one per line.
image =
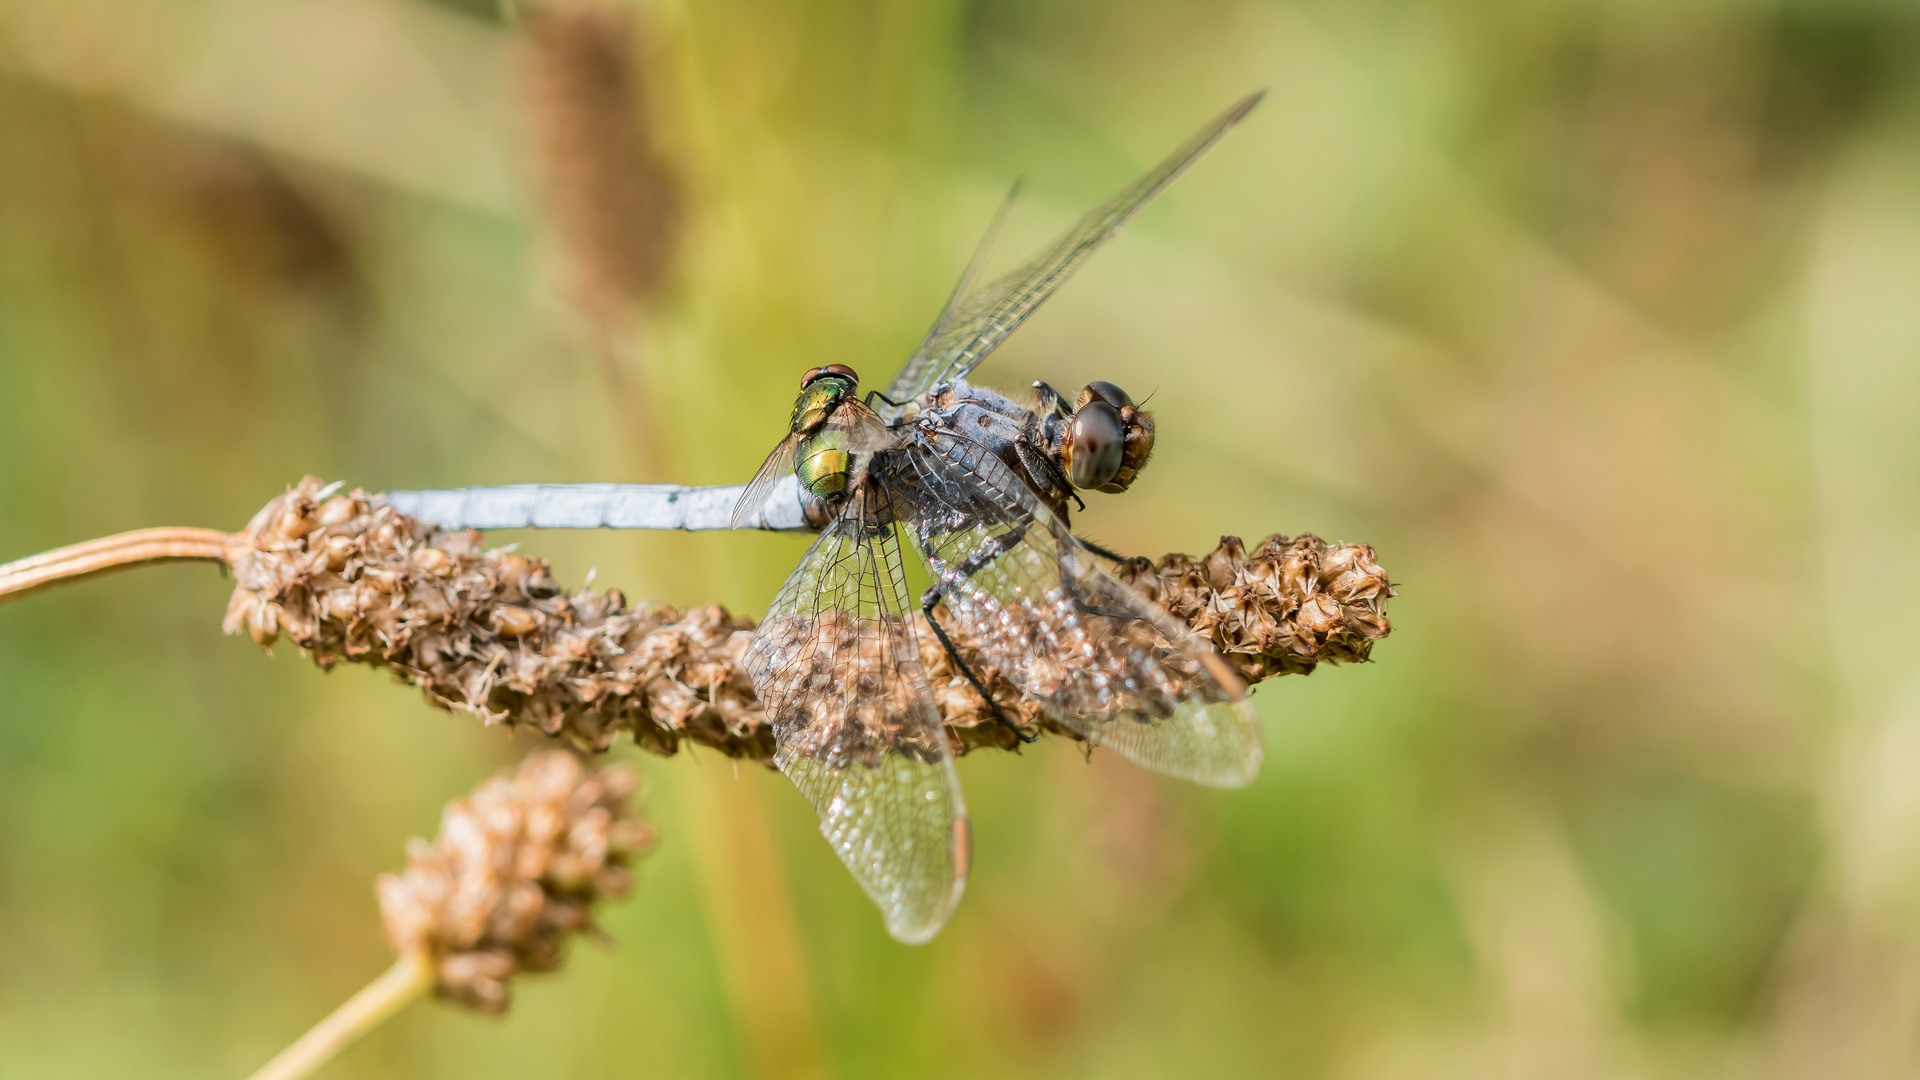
point(823, 463)
point(818, 399)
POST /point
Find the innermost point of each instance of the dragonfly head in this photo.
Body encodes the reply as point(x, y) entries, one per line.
point(1108, 440)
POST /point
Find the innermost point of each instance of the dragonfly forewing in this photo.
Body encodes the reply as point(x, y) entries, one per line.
point(975, 324)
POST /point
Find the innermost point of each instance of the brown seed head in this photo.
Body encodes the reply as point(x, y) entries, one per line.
point(516, 869)
point(492, 633)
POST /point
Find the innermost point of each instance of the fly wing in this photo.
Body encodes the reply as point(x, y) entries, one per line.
point(837, 667)
point(974, 325)
point(778, 464)
point(867, 432)
point(1038, 606)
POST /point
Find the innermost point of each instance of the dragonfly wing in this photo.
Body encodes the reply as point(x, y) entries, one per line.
point(778, 464)
point(837, 667)
point(924, 361)
point(975, 324)
point(1038, 606)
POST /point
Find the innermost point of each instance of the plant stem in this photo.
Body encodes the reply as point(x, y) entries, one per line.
point(408, 978)
point(111, 553)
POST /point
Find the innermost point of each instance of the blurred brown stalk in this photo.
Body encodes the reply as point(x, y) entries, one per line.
point(142, 547)
point(610, 196)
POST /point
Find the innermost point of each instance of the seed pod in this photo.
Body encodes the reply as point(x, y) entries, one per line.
point(294, 524)
point(339, 549)
point(432, 562)
point(339, 511)
point(263, 624)
point(514, 622)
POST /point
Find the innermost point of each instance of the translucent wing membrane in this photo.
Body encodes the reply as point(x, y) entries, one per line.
point(975, 324)
point(836, 665)
point(923, 362)
point(866, 432)
point(778, 464)
point(1040, 608)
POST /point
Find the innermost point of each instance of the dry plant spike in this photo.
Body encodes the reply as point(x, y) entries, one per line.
point(490, 632)
point(516, 870)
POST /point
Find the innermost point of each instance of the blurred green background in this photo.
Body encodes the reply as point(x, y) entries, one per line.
point(1600, 319)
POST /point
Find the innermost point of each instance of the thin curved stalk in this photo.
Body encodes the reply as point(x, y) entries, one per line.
point(141, 547)
point(408, 978)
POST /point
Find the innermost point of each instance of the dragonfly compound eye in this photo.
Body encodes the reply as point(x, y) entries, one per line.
point(1104, 391)
point(1096, 445)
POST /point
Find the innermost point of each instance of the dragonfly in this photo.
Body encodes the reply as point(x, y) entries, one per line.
point(979, 487)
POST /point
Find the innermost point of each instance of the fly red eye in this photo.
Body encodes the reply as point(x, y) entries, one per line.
point(1095, 445)
point(841, 370)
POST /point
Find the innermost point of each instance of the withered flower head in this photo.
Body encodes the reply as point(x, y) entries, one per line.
point(516, 869)
point(1288, 606)
point(490, 631)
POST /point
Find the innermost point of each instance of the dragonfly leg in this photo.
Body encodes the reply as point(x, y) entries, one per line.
point(968, 567)
point(927, 601)
point(1105, 553)
point(1051, 400)
point(1040, 466)
point(1080, 603)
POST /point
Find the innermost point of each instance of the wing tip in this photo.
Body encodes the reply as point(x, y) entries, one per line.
point(1243, 774)
point(919, 931)
point(916, 933)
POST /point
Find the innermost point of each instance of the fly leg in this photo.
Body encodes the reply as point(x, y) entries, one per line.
point(972, 565)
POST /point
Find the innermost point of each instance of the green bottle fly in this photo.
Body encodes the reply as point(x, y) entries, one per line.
point(823, 461)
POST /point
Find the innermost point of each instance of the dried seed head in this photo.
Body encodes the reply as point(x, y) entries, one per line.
point(491, 633)
point(517, 867)
point(1288, 606)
